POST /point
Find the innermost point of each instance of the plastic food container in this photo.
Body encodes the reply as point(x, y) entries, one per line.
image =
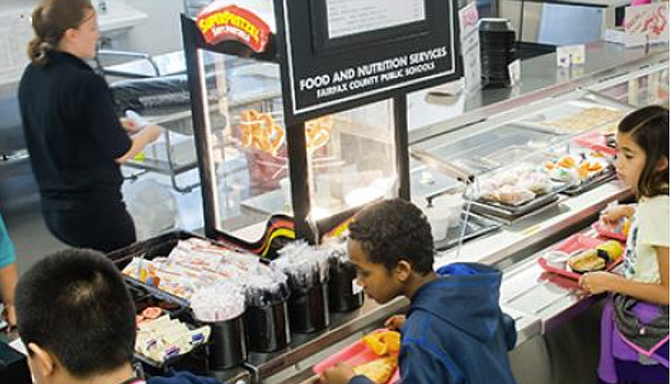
point(308, 309)
point(228, 347)
point(267, 327)
point(344, 295)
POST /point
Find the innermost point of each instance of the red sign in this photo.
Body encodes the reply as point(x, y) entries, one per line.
point(234, 23)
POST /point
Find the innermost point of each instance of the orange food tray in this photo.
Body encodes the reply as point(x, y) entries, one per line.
point(574, 243)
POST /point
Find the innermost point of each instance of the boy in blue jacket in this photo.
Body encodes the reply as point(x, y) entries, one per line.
point(77, 320)
point(454, 331)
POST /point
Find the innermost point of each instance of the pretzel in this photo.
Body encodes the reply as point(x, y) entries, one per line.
point(259, 131)
point(317, 132)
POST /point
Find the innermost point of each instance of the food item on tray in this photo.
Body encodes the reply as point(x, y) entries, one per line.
point(378, 370)
point(621, 227)
point(515, 186)
point(611, 250)
point(383, 342)
point(195, 263)
point(577, 168)
point(514, 195)
point(587, 261)
point(556, 259)
point(163, 338)
point(585, 119)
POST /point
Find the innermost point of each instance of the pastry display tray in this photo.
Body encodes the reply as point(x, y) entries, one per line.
point(490, 149)
point(510, 213)
point(538, 121)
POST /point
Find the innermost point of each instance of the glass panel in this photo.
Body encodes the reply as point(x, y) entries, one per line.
point(642, 91)
point(351, 155)
point(351, 158)
point(245, 139)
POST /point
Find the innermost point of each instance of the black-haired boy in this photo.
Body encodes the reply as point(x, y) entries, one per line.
point(455, 331)
point(77, 320)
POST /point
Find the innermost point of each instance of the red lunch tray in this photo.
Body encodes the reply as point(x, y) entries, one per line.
point(605, 232)
point(595, 141)
point(356, 354)
point(572, 244)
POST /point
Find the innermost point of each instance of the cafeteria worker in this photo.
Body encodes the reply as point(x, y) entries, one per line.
point(75, 140)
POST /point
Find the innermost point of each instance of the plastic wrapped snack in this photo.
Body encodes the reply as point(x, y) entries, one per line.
point(163, 338)
point(220, 302)
point(195, 264)
point(266, 287)
point(514, 195)
point(305, 265)
point(514, 186)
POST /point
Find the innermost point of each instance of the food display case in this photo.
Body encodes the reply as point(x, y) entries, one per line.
point(258, 160)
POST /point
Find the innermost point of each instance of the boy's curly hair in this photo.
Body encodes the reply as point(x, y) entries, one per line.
point(394, 230)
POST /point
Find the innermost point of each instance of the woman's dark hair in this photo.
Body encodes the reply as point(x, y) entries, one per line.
point(394, 230)
point(50, 19)
point(648, 127)
point(75, 305)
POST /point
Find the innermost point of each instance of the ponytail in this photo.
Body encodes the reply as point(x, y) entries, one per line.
point(50, 20)
point(38, 50)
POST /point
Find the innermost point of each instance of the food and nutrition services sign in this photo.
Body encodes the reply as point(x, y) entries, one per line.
point(340, 54)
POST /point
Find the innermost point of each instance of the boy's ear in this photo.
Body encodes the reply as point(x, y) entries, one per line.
point(403, 270)
point(662, 164)
point(41, 361)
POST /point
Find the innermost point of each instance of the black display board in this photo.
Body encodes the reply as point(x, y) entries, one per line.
point(340, 54)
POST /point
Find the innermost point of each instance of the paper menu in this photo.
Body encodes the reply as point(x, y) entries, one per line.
point(350, 17)
point(646, 24)
point(15, 33)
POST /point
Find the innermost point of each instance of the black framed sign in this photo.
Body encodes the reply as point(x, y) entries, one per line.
point(339, 54)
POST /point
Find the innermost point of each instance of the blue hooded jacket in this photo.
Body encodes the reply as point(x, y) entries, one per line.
point(183, 378)
point(455, 331)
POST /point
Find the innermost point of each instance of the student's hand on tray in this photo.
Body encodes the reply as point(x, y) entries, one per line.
point(598, 282)
point(612, 214)
point(338, 374)
point(395, 322)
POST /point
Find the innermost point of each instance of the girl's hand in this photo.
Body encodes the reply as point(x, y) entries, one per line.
point(612, 214)
point(339, 374)
point(595, 283)
point(396, 322)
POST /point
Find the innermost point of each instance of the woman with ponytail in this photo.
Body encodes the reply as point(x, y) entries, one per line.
point(75, 140)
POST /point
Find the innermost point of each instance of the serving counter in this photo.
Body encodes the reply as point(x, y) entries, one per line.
point(545, 306)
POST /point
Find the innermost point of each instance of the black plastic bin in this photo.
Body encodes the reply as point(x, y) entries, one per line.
point(308, 309)
point(341, 296)
point(228, 347)
point(267, 327)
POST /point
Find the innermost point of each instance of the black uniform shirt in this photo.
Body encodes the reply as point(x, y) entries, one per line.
point(72, 133)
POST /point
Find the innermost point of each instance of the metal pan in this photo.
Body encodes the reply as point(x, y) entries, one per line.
point(476, 226)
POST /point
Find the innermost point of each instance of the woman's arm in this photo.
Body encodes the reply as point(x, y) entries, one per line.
point(599, 282)
point(147, 135)
point(8, 280)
